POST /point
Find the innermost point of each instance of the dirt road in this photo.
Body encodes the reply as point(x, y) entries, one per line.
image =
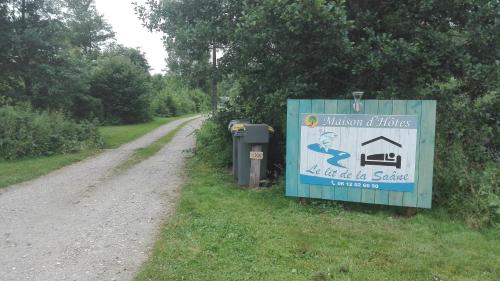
point(85, 222)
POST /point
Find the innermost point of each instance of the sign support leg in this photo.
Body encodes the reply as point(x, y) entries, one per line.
point(410, 212)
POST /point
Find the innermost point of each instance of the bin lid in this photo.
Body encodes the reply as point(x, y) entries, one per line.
point(256, 133)
point(239, 127)
point(236, 122)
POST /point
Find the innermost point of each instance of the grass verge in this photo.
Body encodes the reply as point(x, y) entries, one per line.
point(12, 172)
point(144, 153)
point(17, 171)
point(221, 232)
point(114, 136)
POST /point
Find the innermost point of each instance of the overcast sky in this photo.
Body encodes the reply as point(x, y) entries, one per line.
point(130, 32)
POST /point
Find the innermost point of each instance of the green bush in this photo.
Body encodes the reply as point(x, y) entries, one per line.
point(123, 89)
point(213, 144)
point(28, 133)
point(468, 190)
point(167, 104)
point(467, 167)
point(175, 98)
point(87, 108)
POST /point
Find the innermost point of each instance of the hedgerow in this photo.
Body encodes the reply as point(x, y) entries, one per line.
point(25, 132)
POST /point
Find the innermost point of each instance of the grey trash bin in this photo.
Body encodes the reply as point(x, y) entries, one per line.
point(237, 130)
point(244, 136)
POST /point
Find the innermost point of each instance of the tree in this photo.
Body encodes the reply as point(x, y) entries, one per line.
point(123, 88)
point(406, 45)
point(136, 56)
point(88, 29)
point(34, 37)
point(6, 33)
point(46, 52)
point(195, 30)
point(171, 96)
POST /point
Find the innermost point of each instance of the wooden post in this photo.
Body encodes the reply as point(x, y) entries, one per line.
point(410, 212)
point(255, 156)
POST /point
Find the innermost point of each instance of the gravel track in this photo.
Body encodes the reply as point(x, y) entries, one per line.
point(84, 222)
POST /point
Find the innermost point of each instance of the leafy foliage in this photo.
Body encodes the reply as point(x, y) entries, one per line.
point(135, 56)
point(28, 133)
point(212, 146)
point(123, 90)
point(47, 51)
point(467, 168)
point(194, 31)
point(275, 50)
point(58, 63)
point(175, 98)
point(87, 28)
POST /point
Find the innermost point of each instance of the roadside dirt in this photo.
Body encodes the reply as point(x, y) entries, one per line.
point(84, 222)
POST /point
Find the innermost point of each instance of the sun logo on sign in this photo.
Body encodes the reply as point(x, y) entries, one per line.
point(311, 121)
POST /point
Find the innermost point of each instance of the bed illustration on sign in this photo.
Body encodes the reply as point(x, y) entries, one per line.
point(381, 159)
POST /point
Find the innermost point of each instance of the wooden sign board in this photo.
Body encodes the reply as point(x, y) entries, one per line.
point(381, 155)
point(256, 155)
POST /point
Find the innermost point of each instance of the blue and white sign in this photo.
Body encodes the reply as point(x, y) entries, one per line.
point(359, 151)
